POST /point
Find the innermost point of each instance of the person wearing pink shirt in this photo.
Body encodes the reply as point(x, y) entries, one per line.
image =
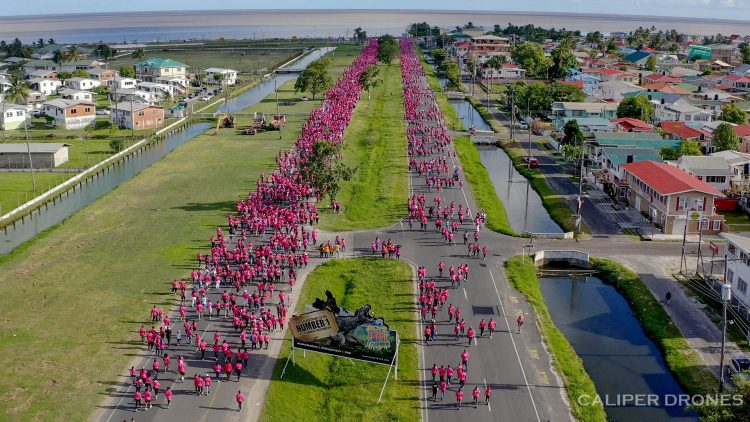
point(142, 333)
point(137, 398)
point(147, 399)
point(181, 370)
point(459, 398)
point(475, 395)
point(207, 384)
point(240, 398)
point(487, 394)
point(470, 334)
point(155, 385)
point(491, 325)
point(168, 396)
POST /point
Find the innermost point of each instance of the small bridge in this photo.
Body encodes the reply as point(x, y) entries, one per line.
point(577, 259)
point(455, 95)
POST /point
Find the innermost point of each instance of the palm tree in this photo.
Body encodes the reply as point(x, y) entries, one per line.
point(73, 54)
point(18, 92)
point(51, 41)
point(40, 43)
point(139, 54)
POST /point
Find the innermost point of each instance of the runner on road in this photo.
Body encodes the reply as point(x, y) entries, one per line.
point(240, 398)
point(520, 320)
point(475, 395)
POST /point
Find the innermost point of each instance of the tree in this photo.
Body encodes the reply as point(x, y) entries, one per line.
point(725, 138)
point(538, 97)
point(18, 91)
point(40, 43)
point(530, 56)
point(116, 145)
point(126, 71)
point(73, 54)
point(636, 108)
point(563, 58)
point(611, 46)
point(439, 55)
point(64, 76)
point(651, 63)
point(685, 147)
point(138, 54)
point(572, 133)
point(452, 73)
point(745, 52)
point(323, 171)
point(80, 73)
point(359, 35)
point(496, 62)
point(387, 49)
point(315, 78)
point(51, 41)
point(736, 412)
point(594, 37)
point(732, 114)
point(368, 79)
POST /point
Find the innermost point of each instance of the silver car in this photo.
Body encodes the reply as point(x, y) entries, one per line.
point(739, 365)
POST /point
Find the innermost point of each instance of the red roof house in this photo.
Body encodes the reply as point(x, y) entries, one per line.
point(680, 131)
point(629, 124)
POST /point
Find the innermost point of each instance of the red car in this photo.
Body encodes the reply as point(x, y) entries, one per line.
point(532, 162)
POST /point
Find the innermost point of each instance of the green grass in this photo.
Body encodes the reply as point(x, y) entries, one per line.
point(682, 360)
point(38, 130)
point(452, 120)
point(481, 186)
point(17, 188)
point(327, 388)
point(522, 274)
point(376, 147)
point(556, 205)
point(488, 117)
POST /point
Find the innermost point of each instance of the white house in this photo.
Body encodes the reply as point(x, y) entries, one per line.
point(82, 84)
point(74, 94)
point(590, 82)
point(161, 90)
point(681, 111)
point(229, 76)
point(45, 86)
point(70, 114)
point(180, 85)
point(738, 266)
point(614, 90)
point(711, 169)
point(12, 116)
point(134, 95)
point(120, 82)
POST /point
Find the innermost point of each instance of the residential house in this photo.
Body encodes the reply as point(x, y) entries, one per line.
point(658, 78)
point(699, 52)
point(85, 65)
point(740, 164)
point(14, 61)
point(12, 116)
point(485, 47)
point(715, 66)
point(737, 255)
point(667, 61)
point(82, 84)
point(161, 90)
point(742, 70)
point(48, 51)
point(180, 86)
point(682, 72)
point(134, 95)
point(736, 82)
point(723, 52)
point(682, 111)
point(35, 99)
point(43, 155)
point(590, 83)
point(154, 67)
point(507, 71)
point(611, 160)
point(608, 74)
point(562, 110)
point(701, 81)
point(590, 124)
point(713, 170)
point(101, 75)
point(43, 74)
point(680, 131)
point(137, 116)
point(71, 114)
point(743, 131)
point(74, 94)
point(629, 124)
point(229, 76)
point(4, 83)
point(33, 65)
point(674, 200)
point(120, 82)
point(45, 86)
point(638, 58)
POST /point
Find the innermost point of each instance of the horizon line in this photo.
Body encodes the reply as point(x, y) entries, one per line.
point(657, 18)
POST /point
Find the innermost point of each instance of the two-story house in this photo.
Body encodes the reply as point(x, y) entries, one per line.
point(154, 67)
point(737, 254)
point(120, 82)
point(711, 169)
point(228, 76)
point(82, 84)
point(564, 111)
point(672, 199)
point(137, 116)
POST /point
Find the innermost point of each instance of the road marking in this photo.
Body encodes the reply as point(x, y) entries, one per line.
point(475, 342)
point(465, 295)
point(515, 348)
point(543, 377)
point(489, 406)
point(533, 354)
point(514, 299)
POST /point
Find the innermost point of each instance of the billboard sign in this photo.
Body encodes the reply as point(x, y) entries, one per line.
point(327, 328)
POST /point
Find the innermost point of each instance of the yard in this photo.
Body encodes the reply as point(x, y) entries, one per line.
point(327, 388)
point(17, 188)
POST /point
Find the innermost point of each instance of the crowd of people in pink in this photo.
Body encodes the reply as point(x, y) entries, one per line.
point(430, 156)
point(235, 291)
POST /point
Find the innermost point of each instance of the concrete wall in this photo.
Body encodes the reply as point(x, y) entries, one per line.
point(572, 258)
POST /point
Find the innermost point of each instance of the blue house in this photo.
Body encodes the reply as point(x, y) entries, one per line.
point(590, 82)
point(638, 57)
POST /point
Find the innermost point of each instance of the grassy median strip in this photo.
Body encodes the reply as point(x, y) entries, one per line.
point(376, 148)
point(481, 186)
point(481, 108)
point(683, 361)
point(522, 274)
point(327, 388)
point(556, 205)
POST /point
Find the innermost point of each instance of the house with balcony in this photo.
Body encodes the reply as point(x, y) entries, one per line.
point(119, 82)
point(563, 111)
point(228, 76)
point(137, 116)
point(154, 67)
point(672, 199)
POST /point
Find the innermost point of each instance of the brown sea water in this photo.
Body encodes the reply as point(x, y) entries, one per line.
point(238, 24)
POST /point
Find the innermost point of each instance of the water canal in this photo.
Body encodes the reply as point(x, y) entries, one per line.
point(53, 213)
point(522, 203)
point(598, 323)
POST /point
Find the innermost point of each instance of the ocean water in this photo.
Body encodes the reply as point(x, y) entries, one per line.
point(248, 24)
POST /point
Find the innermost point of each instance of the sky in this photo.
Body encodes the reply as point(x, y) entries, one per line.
point(721, 9)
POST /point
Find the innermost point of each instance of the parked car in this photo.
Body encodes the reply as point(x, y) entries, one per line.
point(531, 161)
point(739, 365)
point(206, 97)
point(523, 126)
point(102, 112)
point(37, 113)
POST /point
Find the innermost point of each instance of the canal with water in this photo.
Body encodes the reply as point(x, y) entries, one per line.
point(53, 213)
point(598, 323)
point(522, 203)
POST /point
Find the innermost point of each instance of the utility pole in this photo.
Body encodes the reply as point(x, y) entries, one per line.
point(512, 94)
point(528, 114)
point(726, 296)
point(28, 150)
point(580, 190)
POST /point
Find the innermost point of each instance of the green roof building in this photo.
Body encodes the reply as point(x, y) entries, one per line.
point(699, 52)
point(156, 67)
